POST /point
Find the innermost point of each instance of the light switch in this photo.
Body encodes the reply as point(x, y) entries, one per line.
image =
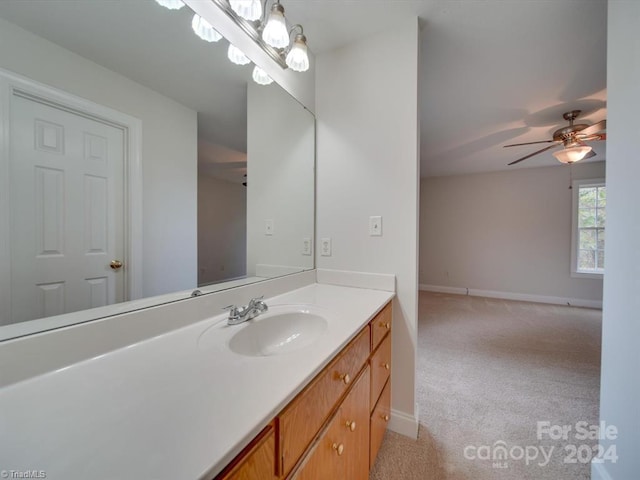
point(268, 227)
point(325, 247)
point(375, 226)
point(306, 246)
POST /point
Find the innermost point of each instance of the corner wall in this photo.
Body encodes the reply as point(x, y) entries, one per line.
point(367, 164)
point(504, 233)
point(619, 385)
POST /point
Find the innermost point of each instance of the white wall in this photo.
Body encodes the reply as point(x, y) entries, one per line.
point(504, 231)
point(169, 153)
point(367, 137)
point(222, 230)
point(280, 177)
point(620, 384)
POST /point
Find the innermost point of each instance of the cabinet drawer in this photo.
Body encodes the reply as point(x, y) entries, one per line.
point(380, 369)
point(379, 420)
point(304, 416)
point(380, 326)
point(342, 450)
point(257, 461)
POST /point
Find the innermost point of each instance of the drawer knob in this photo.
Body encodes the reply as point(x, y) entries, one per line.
point(386, 366)
point(386, 325)
point(385, 417)
point(345, 378)
point(351, 425)
point(339, 448)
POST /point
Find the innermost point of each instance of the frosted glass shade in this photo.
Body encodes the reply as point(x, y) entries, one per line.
point(247, 9)
point(275, 31)
point(297, 58)
point(237, 56)
point(572, 154)
point(261, 77)
point(171, 4)
point(204, 30)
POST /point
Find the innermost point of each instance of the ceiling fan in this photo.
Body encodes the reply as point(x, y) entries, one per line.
point(572, 138)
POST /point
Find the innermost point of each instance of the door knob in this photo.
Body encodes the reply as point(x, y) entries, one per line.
point(115, 264)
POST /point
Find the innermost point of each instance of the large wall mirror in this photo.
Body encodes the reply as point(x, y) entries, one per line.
point(138, 164)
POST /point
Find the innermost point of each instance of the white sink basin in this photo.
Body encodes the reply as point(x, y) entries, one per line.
point(282, 329)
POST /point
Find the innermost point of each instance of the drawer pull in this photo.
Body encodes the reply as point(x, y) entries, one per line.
point(345, 378)
point(386, 325)
point(339, 448)
point(351, 425)
point(386, 366)
point(385, 417)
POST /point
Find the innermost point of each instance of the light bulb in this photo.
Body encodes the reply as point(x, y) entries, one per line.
point(572, 154)
point(204, 30)
point(237, 56)
point(248, 9)
point(261, 77)
point(275, 31)
point(171, 4)
point(297, 58)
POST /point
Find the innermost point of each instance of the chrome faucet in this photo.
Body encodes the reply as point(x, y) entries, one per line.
point(242, 314)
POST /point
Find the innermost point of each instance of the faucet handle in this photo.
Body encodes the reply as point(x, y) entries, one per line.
point(253, 301)
point(233, 310)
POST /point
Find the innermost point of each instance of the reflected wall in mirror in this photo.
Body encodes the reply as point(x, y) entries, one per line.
point(126, 140)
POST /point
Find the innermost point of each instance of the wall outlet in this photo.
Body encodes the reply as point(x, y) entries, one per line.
point(325, 247)
point(306, 246)
point(375, 226)
point(268, 227)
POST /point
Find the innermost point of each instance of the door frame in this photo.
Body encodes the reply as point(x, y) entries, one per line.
point(14, 84)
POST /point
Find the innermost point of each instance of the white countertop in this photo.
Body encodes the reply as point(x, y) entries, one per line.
point(177, 406)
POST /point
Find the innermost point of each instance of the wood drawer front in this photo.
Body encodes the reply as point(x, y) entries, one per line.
point(379, 420)
point(380, 369)
point(303, 417)
point(257, 461)
point(342, 450)
point(380, 326)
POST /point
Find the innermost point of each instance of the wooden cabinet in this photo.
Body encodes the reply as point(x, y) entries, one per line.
point(257, 461)
point(333, 429)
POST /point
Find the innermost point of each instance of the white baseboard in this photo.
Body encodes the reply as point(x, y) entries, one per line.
point(404, 424)
point(599, 472)
point(523, 297)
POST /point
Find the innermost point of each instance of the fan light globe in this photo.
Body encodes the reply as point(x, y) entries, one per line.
point(237, 56)
point(275, 31)
point(572, 154)
point(297, 58)
point(248, 9)
point(261, 77)
point(204, 30)
point(171, 4)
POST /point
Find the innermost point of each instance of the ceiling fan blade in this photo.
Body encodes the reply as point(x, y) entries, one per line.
point(595, 128)
point(534, 153)
point(592, 138)
point(528, 143)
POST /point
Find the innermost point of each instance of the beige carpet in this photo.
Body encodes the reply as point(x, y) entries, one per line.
point(488, 371)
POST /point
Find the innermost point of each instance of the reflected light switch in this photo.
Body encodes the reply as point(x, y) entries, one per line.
point(375, 226)
point(268, 227)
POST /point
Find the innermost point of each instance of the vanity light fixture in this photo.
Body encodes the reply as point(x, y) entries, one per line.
point(171, 4)
point(298, 59)
point(572, 154)
point(237, 56)
point(248, 9)
point(204, 30)
point(261, 77)
point(275, 31)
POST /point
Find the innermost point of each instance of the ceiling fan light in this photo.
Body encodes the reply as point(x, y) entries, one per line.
point(204, 30)
point(237, 56)
point(572, 154)
point(248, 9)
point(261, 77)
point(171, 4)
point(275, 31)
point(297, 58)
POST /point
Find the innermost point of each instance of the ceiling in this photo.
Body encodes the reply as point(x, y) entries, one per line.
point(492, 72)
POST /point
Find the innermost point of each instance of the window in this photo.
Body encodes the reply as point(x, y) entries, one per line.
point(589, 215)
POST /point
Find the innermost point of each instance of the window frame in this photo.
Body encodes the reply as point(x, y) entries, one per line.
point(575, 188)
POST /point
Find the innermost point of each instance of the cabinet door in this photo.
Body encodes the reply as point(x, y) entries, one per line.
point(256, 462)
point(379, 421)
